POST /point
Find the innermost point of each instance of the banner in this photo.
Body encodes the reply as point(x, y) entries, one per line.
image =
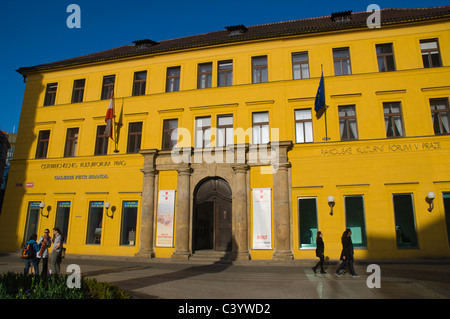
point(166, 208)
point(262, 218)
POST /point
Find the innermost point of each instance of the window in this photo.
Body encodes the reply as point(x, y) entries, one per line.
point(225, 73)
point(347, 123)
point(204, 76)
point(260, 128)
point(140, 80)
point(71, 142)
point(78, 90)
point(430, 53)
point(300, 65)
point(101, 144)
point(95, 221)
point(173, 79)
point(446, 197)
point(307, 219)
point(224, 130)
point(385, 57)
point(354, 219)
point(169, 134)
point(259, 69)
point(129, 218)
point(341, 58)
point(134, 137)
point(50, 94)
point(62, 218)
point(42, 146)
point(32, 219)
point(303, 126)
point(108, 86)
point(203, 132)
point(440, 115)
point(393, 119)
point(405, 228)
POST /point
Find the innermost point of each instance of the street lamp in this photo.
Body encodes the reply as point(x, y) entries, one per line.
point(429, 200)
point(331, 203)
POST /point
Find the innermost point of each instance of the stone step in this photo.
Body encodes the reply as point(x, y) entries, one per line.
point(213, 255)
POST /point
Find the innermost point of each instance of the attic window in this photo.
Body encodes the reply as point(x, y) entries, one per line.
point(236, 29)
point(146, 43)
point(343, 16)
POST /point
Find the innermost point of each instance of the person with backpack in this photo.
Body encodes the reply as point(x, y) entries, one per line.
point(29, 252)
point(44, 242)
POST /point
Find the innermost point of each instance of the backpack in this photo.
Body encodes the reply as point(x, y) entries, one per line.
point(28, 251)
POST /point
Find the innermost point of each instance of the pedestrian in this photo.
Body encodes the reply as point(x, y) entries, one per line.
point(347, 254)
point(45, 242)
point(320, 250)
point(57, 250)
point(31, 249)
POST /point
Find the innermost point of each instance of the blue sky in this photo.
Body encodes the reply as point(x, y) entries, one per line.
point(34, 32)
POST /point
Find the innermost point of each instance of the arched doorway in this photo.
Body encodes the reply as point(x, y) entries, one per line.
point(212, 215)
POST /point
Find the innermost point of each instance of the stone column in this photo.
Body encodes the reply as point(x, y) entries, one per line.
point(183, 204)
point(281, 208)
point(240, 216)
point(148, 205)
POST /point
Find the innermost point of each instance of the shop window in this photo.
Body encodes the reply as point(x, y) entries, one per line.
point(95, 223)
point(354, 218)
point(63, 217)
point(260, 128)
point(169, 134)
point(129, 219)
point(134, 137)
point(405, 227)
point(32, 220)
point(307, 219)
point(42, 146)
point(447, 213)
point(303, 126)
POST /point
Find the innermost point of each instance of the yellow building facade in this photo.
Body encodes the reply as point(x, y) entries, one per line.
point(217, 146)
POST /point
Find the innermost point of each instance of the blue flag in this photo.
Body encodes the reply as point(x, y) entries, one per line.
point(319, 104)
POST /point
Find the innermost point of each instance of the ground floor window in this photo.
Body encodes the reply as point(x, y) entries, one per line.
point(32, 219)
point(94, 233)
point(447, 213)
point(405, 226)
point(307, 216)
point(62, 218)
point(354, 219)
point(129, 218)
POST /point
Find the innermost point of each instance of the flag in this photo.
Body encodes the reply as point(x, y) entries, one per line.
point(319, 103)
point(109, 118)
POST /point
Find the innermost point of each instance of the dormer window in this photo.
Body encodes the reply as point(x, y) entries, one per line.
point(143, 44)
point(343, 16)
point(236, 29)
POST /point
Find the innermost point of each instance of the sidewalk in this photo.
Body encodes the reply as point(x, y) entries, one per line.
point(256, 279)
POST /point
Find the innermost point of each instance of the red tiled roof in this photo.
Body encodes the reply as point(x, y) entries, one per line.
point(286, 28)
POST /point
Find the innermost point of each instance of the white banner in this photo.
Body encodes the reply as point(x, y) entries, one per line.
point(164, 227)
point(262, 218)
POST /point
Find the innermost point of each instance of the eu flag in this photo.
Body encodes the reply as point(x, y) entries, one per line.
point(319, 104)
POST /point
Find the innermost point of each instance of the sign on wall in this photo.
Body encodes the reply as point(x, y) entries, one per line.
point(164, 228)
point(262, 218)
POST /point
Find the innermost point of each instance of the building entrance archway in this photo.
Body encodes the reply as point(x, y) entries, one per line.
point(212, 224)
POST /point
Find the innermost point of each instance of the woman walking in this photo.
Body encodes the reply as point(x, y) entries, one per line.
point(320, 249)
point(347, 254)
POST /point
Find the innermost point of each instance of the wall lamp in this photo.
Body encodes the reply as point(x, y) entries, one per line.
point(331, 203)
point(107, 206)
point(41, 206)
point(429, 200)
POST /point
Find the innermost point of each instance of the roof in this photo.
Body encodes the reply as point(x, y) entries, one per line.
point(286, 28)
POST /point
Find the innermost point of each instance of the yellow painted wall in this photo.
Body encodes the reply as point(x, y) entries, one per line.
point(417, 164)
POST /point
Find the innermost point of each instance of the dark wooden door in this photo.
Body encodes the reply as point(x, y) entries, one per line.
point(222, 225)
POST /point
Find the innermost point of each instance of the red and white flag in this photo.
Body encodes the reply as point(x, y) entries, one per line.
point(109, 119)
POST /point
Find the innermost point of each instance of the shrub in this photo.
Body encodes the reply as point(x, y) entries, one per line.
point(20, 286)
